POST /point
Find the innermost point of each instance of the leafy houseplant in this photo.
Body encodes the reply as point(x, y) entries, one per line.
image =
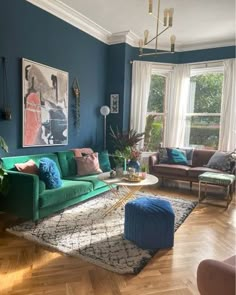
point(3, 180)
point(125, 145)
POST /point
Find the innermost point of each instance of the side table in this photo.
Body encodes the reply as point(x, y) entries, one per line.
point(221, 179)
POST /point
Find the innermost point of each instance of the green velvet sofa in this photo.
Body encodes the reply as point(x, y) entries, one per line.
point(28, 197)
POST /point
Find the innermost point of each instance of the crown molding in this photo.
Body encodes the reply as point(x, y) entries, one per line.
point(124, 37)
point(73, 17)
point(78, 20)
point(207, 45)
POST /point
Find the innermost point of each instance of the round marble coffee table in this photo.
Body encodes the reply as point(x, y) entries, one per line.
point(128, 188)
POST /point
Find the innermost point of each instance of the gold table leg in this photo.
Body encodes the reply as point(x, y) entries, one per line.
point(128, 194)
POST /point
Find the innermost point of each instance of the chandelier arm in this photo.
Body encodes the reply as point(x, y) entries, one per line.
point(155, 53)
point(158, 16)
point(156, 36)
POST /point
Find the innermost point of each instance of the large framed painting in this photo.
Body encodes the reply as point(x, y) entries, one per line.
point(45, 105)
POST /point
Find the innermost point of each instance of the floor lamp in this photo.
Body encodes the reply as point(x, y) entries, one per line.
point(105, 110)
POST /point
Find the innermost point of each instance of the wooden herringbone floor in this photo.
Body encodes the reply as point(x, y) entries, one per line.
point(209, 232)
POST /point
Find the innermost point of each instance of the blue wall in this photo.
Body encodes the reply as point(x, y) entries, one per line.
point(29, 32)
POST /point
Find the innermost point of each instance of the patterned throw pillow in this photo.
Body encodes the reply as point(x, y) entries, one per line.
point(49, 173)
point(88, 165)
point(220, 161)
point(176, 156)
point(163, 157)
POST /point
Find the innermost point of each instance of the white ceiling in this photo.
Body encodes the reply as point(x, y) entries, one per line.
point(196, 23)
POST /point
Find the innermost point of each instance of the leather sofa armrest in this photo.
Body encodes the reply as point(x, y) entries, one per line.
point(153, 160)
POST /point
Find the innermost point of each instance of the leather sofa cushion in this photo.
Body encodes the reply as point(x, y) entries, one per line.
point(201, 157)
point(196, 171)
point(69, 190)
point(91, 179)
point(168, 169)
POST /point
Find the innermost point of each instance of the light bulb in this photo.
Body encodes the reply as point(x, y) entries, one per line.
point(105, 110)
point(172, 43)
point(146, 32)
point(150, 7)
point(140, 43)
point(165, 17)
point(171, 12)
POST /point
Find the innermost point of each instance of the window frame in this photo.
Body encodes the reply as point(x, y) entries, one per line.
point(198, 70)
point(163, 70)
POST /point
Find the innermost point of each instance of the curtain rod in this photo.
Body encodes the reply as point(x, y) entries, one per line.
point(190, 63)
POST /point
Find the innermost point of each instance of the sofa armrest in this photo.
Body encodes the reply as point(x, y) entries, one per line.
point(215, 277)
point(22, 196)
point(153, 160)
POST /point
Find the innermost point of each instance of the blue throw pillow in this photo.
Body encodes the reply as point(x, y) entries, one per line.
point(104, 161)
point(176, 156)
point(49, 173)
point(189, 154)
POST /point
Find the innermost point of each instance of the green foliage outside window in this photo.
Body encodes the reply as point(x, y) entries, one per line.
point(208, 93)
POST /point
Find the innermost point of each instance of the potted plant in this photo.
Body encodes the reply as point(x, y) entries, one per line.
point(3, 180)
point(125, 146)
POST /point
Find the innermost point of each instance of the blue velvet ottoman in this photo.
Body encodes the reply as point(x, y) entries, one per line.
point(149, 223)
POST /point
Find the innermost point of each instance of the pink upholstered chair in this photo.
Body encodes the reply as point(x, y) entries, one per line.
point(217, 277)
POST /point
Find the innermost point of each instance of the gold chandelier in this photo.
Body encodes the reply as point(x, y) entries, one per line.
point(166, 24)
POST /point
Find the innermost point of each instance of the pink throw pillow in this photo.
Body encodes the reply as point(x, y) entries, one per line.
point(78, 152)
point(27, 167)
point(88, 164)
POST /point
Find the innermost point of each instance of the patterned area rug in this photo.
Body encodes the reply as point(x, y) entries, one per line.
point(82, 231)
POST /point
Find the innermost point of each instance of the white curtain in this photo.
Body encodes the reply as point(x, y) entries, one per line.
point(177, 99)
point(141, 80)
point(227, 140)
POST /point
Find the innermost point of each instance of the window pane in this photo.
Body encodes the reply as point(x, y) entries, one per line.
point(205, 93)
point(153, 132)
point(157, 94)
point(203, 131)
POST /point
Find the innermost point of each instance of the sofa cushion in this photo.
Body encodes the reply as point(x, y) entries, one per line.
point(79, 152)
point(176, 156)
point(163, 156)
point(104, 161)
point(49, 173)
point(220, 161)
point(9, 162)
point(178, 170)
point(91, 178)
point(69, 190)
point(28, 167)
point(67, 163)
point(196, 171)
point(201, 157)
point(88, 165)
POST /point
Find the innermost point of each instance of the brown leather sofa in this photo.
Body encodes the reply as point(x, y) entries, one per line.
point(182, 172)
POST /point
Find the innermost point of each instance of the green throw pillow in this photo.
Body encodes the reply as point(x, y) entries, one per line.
point(104, 161)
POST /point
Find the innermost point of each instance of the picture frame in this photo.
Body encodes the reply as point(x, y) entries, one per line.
point(45, 105)
point(114, 103)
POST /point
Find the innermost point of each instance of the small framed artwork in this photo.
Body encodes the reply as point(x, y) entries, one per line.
point(114, 103)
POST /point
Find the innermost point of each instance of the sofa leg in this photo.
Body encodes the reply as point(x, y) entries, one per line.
point(191, 186)
point(36, 222)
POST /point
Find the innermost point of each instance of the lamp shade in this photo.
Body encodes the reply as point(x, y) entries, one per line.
point(105, 110)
